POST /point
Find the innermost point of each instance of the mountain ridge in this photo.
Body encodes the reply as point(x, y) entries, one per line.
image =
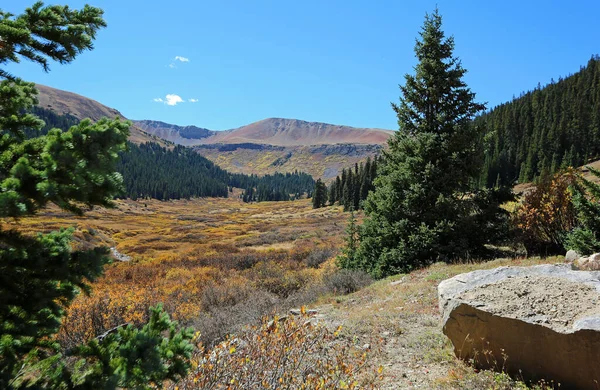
point(69, 103)
point(269, 131)
point(267, 146)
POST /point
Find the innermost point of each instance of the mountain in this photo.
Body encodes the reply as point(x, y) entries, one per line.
point(181, 135)
point(264, 147)
point(278, 145)
point(271, 131)
point(71, 104)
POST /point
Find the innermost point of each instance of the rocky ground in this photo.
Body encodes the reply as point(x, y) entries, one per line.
point(399, 321)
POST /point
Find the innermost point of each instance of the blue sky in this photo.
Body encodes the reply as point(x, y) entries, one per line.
point(329, 61)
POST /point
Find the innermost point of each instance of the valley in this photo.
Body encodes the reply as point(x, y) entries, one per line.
point(221, 264)
point(203, 259)
point(461, 251)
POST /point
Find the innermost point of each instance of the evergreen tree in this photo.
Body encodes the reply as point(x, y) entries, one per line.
point(319, 195)
point(348, 257)
point(332, 193)
point(585, 238)
point(338, 189)
point(423, 208)
point(41, 275)
point(348, 193)
point(353, 188)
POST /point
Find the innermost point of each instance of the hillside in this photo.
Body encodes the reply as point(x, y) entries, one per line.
point(320, 161)
point(545, 129)
point(264, 147)
point(277, 145)
point(69, 103)
point(271, 131)
point(151, 170)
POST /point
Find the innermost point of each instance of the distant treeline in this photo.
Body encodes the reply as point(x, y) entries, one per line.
point(152, 171)
point(275, 187)
point(350, 188)
point(544, 130)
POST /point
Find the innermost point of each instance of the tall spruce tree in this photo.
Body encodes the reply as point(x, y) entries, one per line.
point(320, 195)
point(40, 275)
point(423, 208)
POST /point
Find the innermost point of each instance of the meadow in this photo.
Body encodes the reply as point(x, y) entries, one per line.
point(227, 268)
point(215, 264)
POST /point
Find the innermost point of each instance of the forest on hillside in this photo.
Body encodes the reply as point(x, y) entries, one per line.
point(152, 171)
point(351, 188)
point(543, 130)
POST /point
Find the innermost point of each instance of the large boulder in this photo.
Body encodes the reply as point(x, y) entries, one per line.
point(540, 322)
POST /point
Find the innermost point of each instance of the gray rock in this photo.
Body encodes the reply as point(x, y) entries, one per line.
point(571, 256)
point(118, 255)
point(590, 263)
point(530, 344)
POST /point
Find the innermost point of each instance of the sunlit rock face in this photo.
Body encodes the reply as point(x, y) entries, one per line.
point(540, 322)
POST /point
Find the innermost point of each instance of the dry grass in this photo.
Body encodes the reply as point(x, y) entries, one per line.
point(220, 264)
point(402, 311)
point(216, 264)
point(302, 158)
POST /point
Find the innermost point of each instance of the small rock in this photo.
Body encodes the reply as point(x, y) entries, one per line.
point(594, 263)
point(571, 256)
point(118, 255)
point(366, 346)
point(581, 263)
point(385, 334)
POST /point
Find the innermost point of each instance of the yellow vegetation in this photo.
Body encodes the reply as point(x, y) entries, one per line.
point(194, 256)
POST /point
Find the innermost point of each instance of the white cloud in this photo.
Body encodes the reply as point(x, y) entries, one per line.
point(182, 59)
point(193, 100)
point(172, 65)
point(170, 100)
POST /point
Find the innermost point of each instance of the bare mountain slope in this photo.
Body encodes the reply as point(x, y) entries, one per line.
point(267, 146)
point(63, 102)
point(272, 131)
point(278, 145)
point(294, 132)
